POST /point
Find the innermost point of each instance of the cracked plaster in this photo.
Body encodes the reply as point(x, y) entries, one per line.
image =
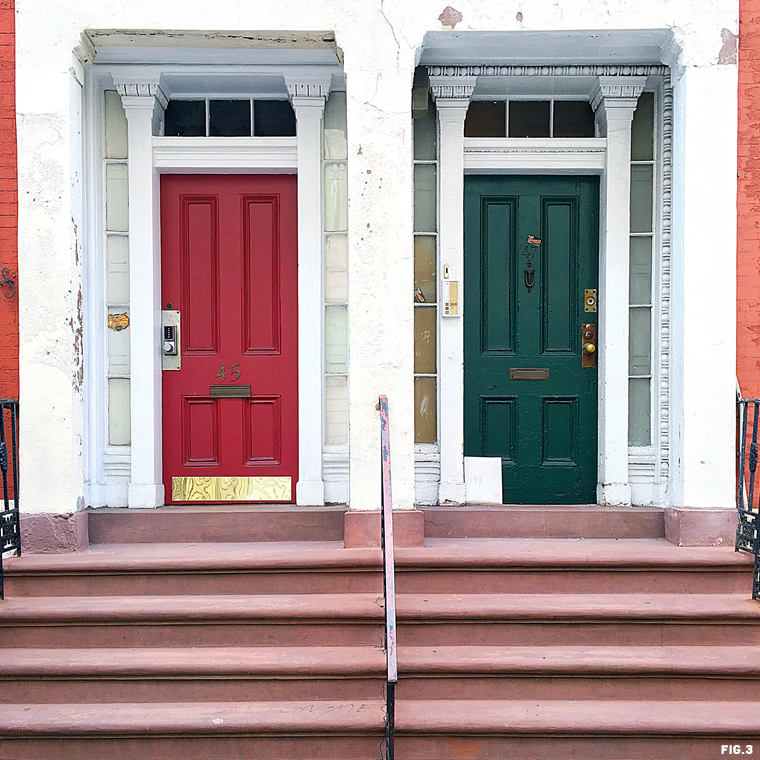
point(380, 41)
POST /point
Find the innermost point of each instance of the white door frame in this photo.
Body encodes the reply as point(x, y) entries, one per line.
point(614, 100)
point(149, 156)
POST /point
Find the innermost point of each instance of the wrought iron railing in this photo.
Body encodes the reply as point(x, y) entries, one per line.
point(389, 582)
point(748, 493)
point(10, 532)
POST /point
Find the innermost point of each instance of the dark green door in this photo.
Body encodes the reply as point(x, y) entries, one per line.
point(542, 423)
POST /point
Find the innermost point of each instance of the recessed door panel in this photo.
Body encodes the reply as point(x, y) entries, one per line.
point(262, 297)
point(560, 433)
point(558, 276)
point(498, 418)
point(199, 266)
point(262, 429)
point(230, 267)
point(531, 250)
point(498, 276)
point(200, 432)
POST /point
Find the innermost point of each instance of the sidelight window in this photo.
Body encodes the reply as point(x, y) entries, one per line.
point(117, 270)
point(640, 283)
point(335, 153)
point(425, 290)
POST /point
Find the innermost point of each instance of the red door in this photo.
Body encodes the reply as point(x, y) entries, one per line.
point(229, 266)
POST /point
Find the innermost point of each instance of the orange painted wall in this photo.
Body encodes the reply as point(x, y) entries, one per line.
point(748, 253)
point(8, 202)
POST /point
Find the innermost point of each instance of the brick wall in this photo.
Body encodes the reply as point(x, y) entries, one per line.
point(748, 263)
point(8, 203)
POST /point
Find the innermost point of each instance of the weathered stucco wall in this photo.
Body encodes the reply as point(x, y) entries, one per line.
point(380, 40)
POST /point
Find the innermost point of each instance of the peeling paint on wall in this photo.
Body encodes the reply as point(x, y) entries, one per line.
point(727, 54)
point(450, 17)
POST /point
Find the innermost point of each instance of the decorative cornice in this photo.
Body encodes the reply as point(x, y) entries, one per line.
point(452, 88)
point(548, 71)
point(617, 92)
point(141, 89)
point(308, 87)
point(85, 51)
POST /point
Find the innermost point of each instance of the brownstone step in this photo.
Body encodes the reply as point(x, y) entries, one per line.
point(303, 567)
point(229, 674)
point(193, 674)
point(562, 566)
point(559, 729)
point(552, 521)
point(577, 619)
point(442, 566)
point(440, 729)
point(356, 619)
point(216, 523)
point(220, 620)
point(231, 730)
point(579, 673)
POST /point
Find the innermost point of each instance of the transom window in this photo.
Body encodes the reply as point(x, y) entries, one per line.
point(228, 117)
point(529, 118)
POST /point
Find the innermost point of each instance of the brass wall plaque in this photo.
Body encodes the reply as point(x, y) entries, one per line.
point(231, 489)
point(230, 391)
point(528, 373)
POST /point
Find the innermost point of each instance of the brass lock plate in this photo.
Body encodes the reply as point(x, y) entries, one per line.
point(588, 345)
point(589, 300)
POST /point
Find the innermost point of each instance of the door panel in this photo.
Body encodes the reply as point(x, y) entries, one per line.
point(545, 428)
point(230, 266)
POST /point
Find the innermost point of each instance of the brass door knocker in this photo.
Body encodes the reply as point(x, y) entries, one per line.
point(529, 251)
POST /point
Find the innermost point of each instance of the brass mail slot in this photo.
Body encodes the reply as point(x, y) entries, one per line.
point(230, 391)
point(528, 373)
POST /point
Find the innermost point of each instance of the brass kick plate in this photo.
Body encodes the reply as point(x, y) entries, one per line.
point(231, 489)
point(589, 300)
point(230, 391)
point(528, 373)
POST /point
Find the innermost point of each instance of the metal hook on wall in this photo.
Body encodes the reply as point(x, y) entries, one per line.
point(8, 282)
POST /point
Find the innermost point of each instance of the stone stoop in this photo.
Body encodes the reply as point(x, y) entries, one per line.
point(615, 646)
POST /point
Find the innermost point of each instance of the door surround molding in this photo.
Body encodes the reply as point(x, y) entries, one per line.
point(614, 99)
point(150, 155)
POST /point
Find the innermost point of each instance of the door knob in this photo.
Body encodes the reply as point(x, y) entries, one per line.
point(588, 341)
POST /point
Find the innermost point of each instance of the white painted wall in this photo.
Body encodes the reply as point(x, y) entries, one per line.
point(380, 41)
point(704, 265)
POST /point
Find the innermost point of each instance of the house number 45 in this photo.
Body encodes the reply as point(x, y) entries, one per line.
point(234, 373)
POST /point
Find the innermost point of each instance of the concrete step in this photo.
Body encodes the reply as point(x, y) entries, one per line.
point(217, 523)
point(551, 521)
point(356, 619)
point(559, 729)
point(230, 674)
point(535, 566)
point(189, 620)
point(232, 730)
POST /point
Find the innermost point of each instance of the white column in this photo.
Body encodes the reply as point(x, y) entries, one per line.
point(308, 99)
point(143, 102)
point(452, 97)
point(614, 102)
